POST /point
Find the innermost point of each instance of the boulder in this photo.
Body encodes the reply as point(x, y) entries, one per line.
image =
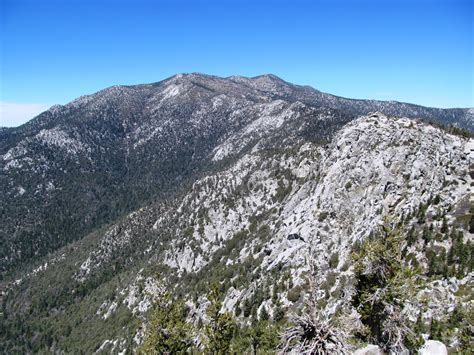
point(369, 350)
point(433, 347)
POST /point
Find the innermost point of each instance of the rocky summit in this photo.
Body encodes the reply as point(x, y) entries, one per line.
point(300, 209)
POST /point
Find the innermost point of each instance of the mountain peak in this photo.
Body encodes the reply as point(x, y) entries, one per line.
point(268, 76)
point(197, 174)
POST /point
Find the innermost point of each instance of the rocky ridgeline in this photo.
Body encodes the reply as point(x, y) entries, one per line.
point(273, 210)
point(237, 181)
point(130, 144)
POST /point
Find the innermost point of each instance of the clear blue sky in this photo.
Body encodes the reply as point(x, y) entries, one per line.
point(418, 51)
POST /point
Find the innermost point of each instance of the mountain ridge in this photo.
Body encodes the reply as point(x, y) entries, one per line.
point(469, 112)
point(237, 182)
point(177, 115)
point(251, 224)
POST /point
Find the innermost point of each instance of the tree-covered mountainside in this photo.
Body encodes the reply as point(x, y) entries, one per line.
point(76, 167)
point(121, 209)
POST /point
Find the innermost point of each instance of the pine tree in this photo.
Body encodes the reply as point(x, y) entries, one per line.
point(264, 316)
point(444, 226)
point(278, 313)
point(426, 235)
point(168, 331)
point(264, 338)
point(411, 237)
point(220, 329)
point(247, 309)
point(275, 293)
point(421, 213)
point(383, 285)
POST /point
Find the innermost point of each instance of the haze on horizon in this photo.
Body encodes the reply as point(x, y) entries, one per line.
point(52, 52)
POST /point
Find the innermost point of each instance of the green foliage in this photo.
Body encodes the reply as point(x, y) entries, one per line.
point(463, 319)
point(220, 329)
point(253, 302)
point(278, 314)
point(261, 337)
point(414, 340)
point(411, 236)
point(460, 323)
point(331, 278)
point(460, 258)
point(383, 284)
point(436, 261)
point(461, 132)
point(421, 214)
point(247, 307)
point(264, 336)
point(282, 191)
point(444, 226)
point(334, 260)
point(237, 309)
point(294, 294)
point(264, 316)
point(168, 331)
point(188, 232)
point(263, 232)
point(322, 216)
point(59, 310)
point(427, 235)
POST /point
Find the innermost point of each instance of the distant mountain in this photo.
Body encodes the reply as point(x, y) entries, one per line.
point(460, 117)
point(77, 166)
point(231, 180)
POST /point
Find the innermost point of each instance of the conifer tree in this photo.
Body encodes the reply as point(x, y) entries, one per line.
point(168, 331)
point(383, 284)
point(444, 226)
point(264, 336)
point(220, 329)
point(264, 316)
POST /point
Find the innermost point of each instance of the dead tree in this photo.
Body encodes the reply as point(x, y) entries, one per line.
point(313, 332)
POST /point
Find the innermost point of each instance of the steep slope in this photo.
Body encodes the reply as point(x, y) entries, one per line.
point(251, 223)
point(76, 167)
point(460, 117)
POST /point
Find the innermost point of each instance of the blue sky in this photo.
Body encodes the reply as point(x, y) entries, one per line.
point(418, 51)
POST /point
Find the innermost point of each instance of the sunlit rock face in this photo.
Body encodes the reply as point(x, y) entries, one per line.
point(200, 179)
